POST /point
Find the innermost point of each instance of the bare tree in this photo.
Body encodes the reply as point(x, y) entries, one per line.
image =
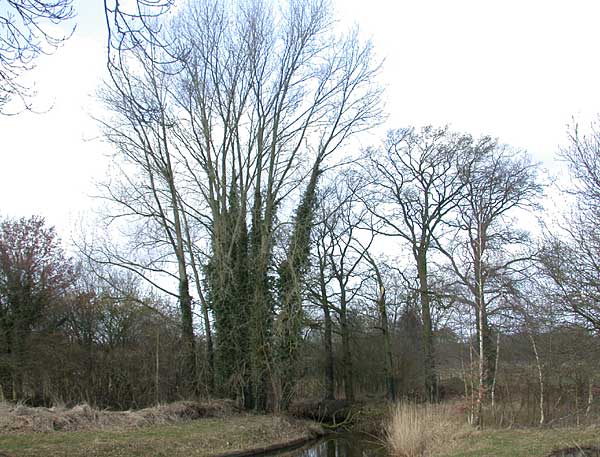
point(320, 293)
point(490, 251)
point(416, 184)
point(570, 256)
point(263, 100)
point(253, 101)
point(26, 33)
point(378, 275)
point(141, 133)
point(342, 257)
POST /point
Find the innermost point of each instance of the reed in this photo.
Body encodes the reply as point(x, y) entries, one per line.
point(416, 430)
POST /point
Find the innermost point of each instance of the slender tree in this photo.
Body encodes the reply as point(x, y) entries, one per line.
point(141, 134)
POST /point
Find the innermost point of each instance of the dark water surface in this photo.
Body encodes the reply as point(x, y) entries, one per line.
point(341, 445)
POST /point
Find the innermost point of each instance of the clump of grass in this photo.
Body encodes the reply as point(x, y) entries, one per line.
point(421, 430)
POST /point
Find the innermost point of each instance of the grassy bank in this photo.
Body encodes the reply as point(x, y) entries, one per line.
point(166, 431)
point(530, 442)
point(441, 431)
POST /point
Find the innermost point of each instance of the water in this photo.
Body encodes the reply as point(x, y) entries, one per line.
point(341, 445)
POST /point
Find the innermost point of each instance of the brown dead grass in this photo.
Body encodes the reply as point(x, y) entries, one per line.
point(422, 430)
point(23, 419)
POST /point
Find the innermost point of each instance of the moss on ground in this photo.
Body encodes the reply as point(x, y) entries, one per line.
point(203, 437)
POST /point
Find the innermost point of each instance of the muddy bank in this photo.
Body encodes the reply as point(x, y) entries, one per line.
point(360, 416)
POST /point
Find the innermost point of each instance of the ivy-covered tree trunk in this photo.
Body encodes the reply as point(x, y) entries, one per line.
point(261, 308)
point(228, 284)
point(291, 282)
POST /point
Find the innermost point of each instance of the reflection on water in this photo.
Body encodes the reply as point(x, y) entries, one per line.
point(345, 445)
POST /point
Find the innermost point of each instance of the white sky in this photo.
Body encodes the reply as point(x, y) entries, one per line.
point(518, 70)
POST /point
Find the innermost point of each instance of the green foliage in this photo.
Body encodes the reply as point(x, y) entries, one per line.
point(292, 274)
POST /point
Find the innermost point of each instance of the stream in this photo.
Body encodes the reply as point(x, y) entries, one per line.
point(340, 445)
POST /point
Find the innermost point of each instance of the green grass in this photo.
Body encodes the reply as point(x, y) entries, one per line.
point(202, 437)
point(529, 442)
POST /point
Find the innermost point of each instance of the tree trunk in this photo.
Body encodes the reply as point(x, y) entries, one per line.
point(483, 374)
point(261, 316)
point(204, 307)
point(346, 351)
point(482, 331)
point(327, 335)
point(329, 358)
point(387, 342)
point(187, 335)
point(540, 371)
point(495, 373)
point(291, 278)
point(431, 388)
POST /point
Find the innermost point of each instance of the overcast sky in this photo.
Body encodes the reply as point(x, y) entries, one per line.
point(517, 70)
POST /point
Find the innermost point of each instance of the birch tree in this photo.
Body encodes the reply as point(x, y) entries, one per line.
point(491, 251)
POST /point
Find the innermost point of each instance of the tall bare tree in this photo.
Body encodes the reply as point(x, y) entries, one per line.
point(342, 259)
point(141, 132)
point(491, 250)
point(253, 101)
point(416, 184)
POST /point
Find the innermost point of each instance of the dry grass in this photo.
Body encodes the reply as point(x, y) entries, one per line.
point(23, 419)
point(422, 430)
